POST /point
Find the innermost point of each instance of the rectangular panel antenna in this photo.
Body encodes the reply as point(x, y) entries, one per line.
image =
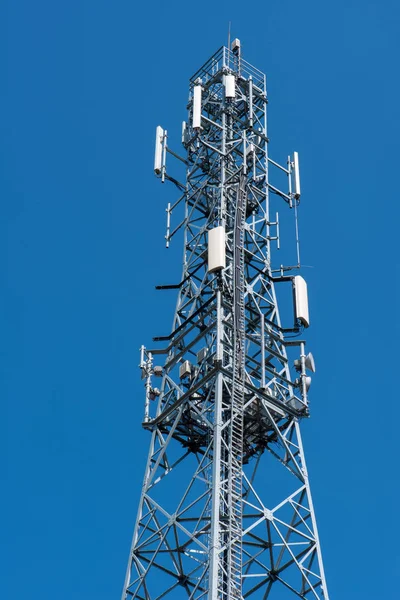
point(296, 172)
point(196, 107)
point(183, 132)
point(301, 300)
point(229, 86)
point(216, 249)
point(158, 150)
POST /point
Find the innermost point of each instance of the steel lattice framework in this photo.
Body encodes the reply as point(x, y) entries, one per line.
point(226, 510)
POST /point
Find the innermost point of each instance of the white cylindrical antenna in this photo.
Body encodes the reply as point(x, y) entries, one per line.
point(197, 107)
point(216, 249)
point(301, 300)
point(183, 132)
point(158, 150)
point(229, 86)
point(296, 173)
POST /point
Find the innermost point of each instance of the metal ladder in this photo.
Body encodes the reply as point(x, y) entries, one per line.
point(236, 430)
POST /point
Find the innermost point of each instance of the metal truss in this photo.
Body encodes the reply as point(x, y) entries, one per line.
point(226, 509)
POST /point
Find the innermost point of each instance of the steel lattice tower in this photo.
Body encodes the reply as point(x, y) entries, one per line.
point(226, 510)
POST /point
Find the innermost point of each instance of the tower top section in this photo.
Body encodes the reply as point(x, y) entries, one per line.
point(226, 61)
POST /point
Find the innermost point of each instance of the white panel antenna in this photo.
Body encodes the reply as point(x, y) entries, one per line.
point(229, 86)
point(216, 249)
point(301, 300)
point(158, 155)
point(183, 132)
point(197, 107)
point(296, 173)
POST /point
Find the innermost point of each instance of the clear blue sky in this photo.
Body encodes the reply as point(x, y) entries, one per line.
point(83, 85)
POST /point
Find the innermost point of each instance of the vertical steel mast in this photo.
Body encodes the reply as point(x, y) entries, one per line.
point(225, 511)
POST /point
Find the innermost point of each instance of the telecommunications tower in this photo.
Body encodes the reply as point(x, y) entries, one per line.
point(225, 511)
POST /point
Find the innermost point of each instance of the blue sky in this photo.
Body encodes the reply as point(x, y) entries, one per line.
point(83, 86)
